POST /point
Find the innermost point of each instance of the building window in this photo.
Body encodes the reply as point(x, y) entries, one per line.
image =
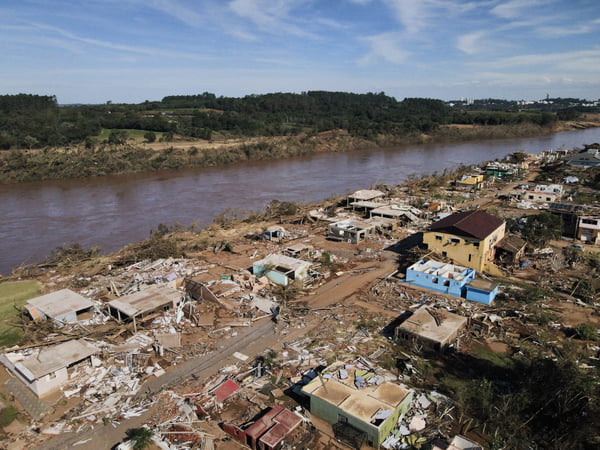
point(435, 280)
point(447, 283)
point(438, 237)
point(476, 244)
point(590, 221)
point(470, 257)
point(342, 419)
point(548, 199)
point(454, 240)
point(444, 254)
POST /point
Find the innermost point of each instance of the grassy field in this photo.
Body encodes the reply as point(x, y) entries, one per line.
point(134, 135)
point(14, 293)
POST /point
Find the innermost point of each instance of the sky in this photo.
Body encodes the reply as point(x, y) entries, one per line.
point(94, 51)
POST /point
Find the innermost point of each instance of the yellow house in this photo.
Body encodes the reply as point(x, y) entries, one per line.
point(470, 180)
point(468, 238)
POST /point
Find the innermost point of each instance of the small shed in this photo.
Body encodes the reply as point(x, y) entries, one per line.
point(46, 370)
point(482, 291)
point(64, 306)
point(274, 232)
point(436, 328)
point(281, 269)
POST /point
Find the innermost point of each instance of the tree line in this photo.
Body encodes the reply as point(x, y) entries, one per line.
point(29, 121)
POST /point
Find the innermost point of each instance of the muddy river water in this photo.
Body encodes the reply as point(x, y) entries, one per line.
point(112, 211)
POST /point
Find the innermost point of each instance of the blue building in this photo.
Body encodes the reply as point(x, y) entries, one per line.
point(452, 280)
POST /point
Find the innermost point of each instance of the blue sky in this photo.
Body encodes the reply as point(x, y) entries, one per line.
point(92, 51)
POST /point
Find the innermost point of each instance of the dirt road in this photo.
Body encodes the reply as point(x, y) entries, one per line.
point(348, 284)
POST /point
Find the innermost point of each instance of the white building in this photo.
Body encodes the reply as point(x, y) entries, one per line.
point(46, 369)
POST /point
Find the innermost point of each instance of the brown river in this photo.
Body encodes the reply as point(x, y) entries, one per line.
point(112, 211)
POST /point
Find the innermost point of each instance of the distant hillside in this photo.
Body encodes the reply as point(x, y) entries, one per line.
point(33, 121)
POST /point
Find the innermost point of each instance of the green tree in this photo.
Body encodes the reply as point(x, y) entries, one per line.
point(118, 137)
point(541, 229)
point(141, 438)
point(30, 142)
point(150, 136)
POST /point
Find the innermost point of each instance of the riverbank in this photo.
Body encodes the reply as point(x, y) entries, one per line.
point(349, 305)
point(20, 166)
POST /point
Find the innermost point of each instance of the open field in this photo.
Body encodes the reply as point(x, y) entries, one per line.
point(133, 135)
point(14, 294)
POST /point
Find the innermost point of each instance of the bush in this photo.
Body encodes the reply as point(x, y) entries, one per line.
point(140, 437)
point(8, 415)
point(587, 332)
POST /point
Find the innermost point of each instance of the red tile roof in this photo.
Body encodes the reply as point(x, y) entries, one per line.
point(476, 223)
point(225, 390)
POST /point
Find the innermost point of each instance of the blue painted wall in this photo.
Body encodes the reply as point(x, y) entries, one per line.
point(450, 286)
point(477, 295)
point(444, 285)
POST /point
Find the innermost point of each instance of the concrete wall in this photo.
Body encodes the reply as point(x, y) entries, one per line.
point(386, 427)
point(329, 413)
point(376, 435)
point(544, 197)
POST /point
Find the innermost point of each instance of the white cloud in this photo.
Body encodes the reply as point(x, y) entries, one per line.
point(71, 38)
point(471, 43)
point(514, 8)
point(575, 60)
point(178, 11)
point(386, 46)
point(411, 14)
point(272, 16)
point(562, 31)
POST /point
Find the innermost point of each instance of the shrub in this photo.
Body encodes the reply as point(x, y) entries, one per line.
point(587, 332)
point(8, 415)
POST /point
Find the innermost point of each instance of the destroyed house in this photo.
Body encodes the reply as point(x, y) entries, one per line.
point(404, 213)
point(350, 230)
point(64, 306)
point(434, 328)
point(47, 369)
point(365, 195)
point(468, 238)
point(359, 404)
point(281, 269)
point(274, 232)
point(438, 276)
point(470, 180)
point(366, 205)
point(589, 158)
point(569, 214)
point(510, 249)
point(544, 193)
point(136, 306)
point(588, 229)
point(269, 432)
point(499, 170)
point(452, 280)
